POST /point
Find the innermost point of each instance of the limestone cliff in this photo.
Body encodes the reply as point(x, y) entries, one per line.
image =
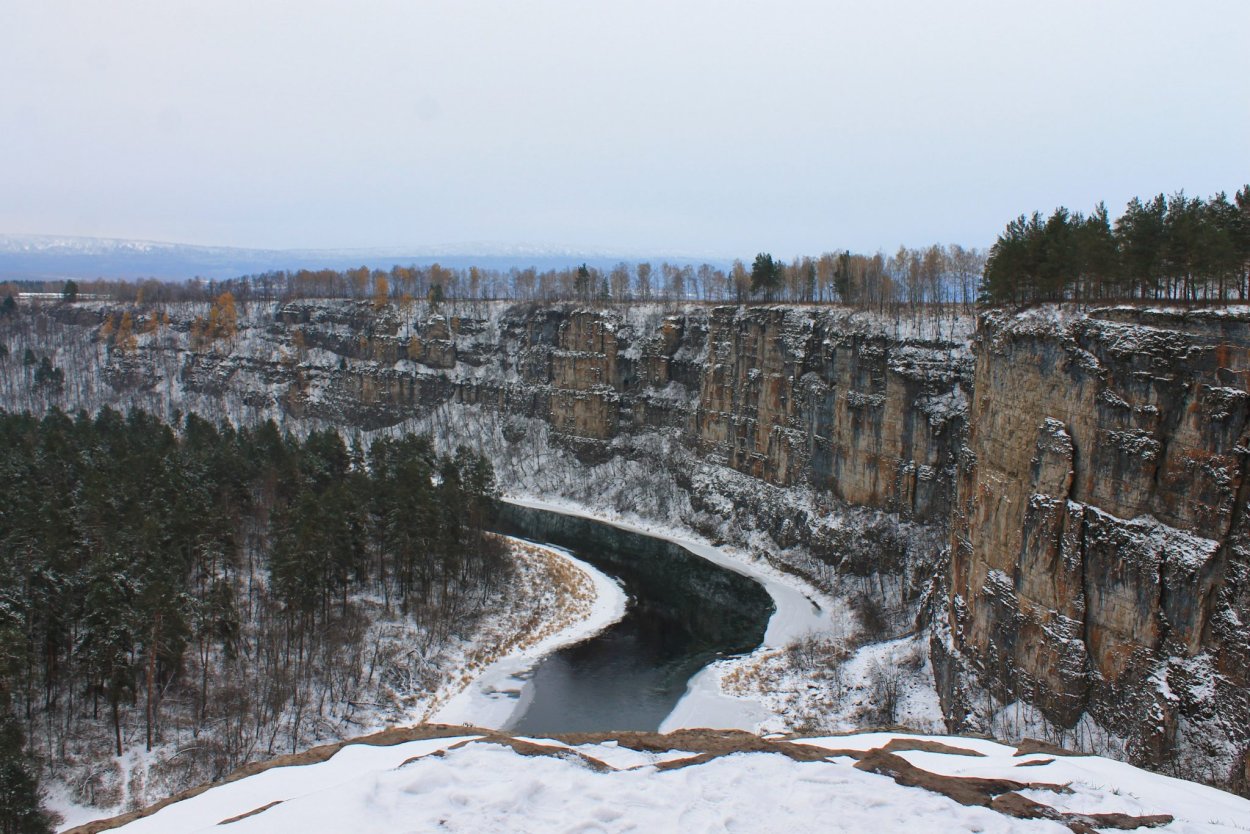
point(742, 420)
point(1099, 551)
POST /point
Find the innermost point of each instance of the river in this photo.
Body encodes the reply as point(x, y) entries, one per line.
point(683, 613)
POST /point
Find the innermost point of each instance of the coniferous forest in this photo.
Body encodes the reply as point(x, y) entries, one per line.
point(1176, 248)
point(200, 580)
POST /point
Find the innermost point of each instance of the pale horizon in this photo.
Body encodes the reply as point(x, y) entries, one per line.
point(706, 129)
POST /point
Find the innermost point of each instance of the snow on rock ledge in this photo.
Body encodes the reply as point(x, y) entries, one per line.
point(440, 777)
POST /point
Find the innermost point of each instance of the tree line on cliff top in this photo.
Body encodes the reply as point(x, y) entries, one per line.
point(932, 274)
point(1177, 248)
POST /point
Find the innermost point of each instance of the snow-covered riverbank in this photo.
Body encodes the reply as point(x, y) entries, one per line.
point(500, 689)
point(555, 600)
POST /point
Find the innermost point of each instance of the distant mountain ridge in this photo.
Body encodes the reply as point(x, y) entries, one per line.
point(53, 257)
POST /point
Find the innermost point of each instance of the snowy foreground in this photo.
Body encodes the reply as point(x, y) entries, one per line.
point(694, 781)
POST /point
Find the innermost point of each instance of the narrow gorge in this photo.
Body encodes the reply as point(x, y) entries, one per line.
point(1054, 499)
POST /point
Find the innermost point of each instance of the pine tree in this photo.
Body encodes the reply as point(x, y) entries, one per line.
point(1241, 241)
point(582, 283)
point(766, 275)
point(20, 797)
point(1097, 256)
point(47, 374)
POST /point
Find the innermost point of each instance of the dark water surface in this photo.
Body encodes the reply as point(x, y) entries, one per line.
point(683, 613)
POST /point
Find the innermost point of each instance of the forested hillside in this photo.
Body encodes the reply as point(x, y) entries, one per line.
point(201, 584)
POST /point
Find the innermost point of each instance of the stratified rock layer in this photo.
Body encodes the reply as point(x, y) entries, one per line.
point(1099, 552)
point(789, 396)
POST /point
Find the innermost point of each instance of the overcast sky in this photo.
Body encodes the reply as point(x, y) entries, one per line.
point(717, 128)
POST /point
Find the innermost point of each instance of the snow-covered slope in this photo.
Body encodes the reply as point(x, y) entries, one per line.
point(693, 781)
point(470, 675)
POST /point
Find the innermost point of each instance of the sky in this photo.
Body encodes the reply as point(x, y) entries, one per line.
point(701, 128)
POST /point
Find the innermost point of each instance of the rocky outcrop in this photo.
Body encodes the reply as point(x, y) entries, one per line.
point(1099, 551)
point(789, 396)
point(736, 421)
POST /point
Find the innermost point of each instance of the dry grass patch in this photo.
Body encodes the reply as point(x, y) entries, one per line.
point(550, 594)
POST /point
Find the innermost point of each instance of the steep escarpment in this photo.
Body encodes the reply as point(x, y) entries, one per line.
point(1099, 552)
point(747, 423)
point(793, 399)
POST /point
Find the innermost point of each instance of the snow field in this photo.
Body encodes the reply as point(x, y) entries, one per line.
point(484, 786)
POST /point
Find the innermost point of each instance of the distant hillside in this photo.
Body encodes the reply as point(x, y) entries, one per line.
point(53, 258)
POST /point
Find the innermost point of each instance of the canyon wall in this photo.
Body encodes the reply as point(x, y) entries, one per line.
point(1099, 556)
point(787, 396)
point(865, 409)
point(823, 439)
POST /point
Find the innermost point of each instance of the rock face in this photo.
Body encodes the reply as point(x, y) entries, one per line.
point(757, 418)
point(789, 396)
point(1099, 551)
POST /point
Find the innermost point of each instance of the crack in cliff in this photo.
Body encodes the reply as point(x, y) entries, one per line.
point(1165, 429)
point(1165, 624)
point(1218, 567)
point(1086, 626)
point(1081, 532)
